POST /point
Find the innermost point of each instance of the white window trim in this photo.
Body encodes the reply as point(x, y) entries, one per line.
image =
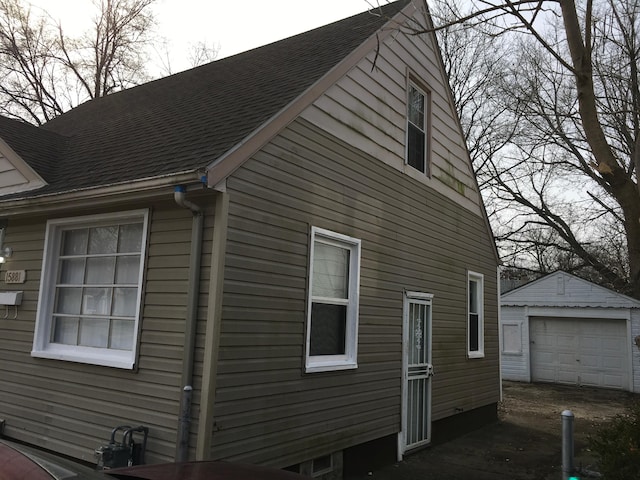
point(479, 278)
point(42, 348)
point(427, 119)
point(324, 363)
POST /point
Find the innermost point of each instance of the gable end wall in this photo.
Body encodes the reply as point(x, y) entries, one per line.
point(267, 409)
point(367, 109)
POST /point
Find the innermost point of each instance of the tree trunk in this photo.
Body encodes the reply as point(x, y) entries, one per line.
point(619, 184)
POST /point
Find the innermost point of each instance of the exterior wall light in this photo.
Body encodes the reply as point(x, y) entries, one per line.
point(5, 252)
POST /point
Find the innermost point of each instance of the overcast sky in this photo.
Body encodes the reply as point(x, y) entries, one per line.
point(234, 25)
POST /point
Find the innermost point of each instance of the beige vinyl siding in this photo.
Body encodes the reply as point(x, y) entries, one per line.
point(367, 109)
point(268, 410)
point(9, 175)
point(70, 407)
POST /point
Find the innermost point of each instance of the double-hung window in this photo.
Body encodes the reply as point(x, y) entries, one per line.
point(417, 128)
point(475, 308)
point(332, 311)
point(90, 292)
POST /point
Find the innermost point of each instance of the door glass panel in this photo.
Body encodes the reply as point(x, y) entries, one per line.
point(417, 426)
point(418, 315)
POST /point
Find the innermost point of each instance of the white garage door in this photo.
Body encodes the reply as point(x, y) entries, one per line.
point(580, 351)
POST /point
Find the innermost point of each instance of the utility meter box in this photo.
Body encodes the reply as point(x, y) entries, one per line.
point(123, 453)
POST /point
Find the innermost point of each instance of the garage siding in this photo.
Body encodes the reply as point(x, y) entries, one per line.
point(515, 344)
point(635, 349)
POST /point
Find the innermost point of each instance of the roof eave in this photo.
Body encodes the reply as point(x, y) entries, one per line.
point(122, 192)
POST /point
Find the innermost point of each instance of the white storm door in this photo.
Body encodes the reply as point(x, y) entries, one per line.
point(417, 371)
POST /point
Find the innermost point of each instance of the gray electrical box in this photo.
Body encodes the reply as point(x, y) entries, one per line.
point(11, 298)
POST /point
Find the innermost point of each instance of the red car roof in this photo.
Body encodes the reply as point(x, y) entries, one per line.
point(18, 462)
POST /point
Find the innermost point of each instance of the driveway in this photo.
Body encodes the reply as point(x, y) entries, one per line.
point(525, 444)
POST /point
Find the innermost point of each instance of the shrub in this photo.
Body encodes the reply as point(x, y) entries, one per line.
point(616, 445)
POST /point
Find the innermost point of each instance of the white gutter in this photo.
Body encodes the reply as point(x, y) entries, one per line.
point(96, 196)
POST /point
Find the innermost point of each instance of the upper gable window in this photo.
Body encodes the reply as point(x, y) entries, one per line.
point(90, 293)
point(332, 316)
point(417, 128)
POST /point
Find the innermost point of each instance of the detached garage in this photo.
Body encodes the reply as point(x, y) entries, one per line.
point(563, 329)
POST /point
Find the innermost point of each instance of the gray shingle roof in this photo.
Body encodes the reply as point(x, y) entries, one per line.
point(186, 121)
point(40, 148)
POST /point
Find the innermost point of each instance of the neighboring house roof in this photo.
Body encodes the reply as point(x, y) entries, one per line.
point(562, 289)
point(184, 122)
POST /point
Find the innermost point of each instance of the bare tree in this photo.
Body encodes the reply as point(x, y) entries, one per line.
point(112, 55)
point(198, 53)
point(29, 72)
point(202, 52)
point(568, 174)
point(44, 72)
point(475, 63)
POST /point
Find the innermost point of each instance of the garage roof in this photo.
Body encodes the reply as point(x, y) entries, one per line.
point(562, 289)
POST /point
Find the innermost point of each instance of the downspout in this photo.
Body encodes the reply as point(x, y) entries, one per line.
point(193, 291)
